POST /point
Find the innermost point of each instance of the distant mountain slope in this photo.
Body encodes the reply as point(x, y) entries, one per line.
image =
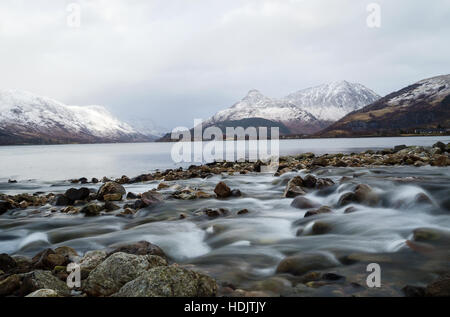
point(331, 102)
point(304, 112)
point(425, 104)
point(26, 118)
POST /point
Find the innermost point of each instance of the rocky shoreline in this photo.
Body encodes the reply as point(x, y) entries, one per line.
point(143, 269)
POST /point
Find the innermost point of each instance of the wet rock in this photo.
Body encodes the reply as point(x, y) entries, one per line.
point(151, 198)
point(169, 281)
point(113, 197)
point(10, 285)
point(70, 210)
point(118, 269)
point(431, 235)
point(347, 198)
point(94, 180)
point(320, 227)
point(301, 202)
point(90, 261)
point(110, 206)
point(301, 264)
point(139, 248)
point(69, 254)
point(214, 213)
point(236, 193)
point(440, 160)
point(12, 181)
point(440, 146)
point(309, 181)
point(422, 198)
point(321, 210)
point(243, 212)
point(4, 206)
point(439, 288)
point(398, 148)
point(163, 185)
point(364, 194)
point(43, 293)
point(350, 210)
point(7, 263)
point(222, 190)
point(131, 195)
point(77, 194)
point(23, 204)
point(91, 210)
point(324, 182)
point(413, 291)
point(37, 280)
point(320, 161)
point(110, 188)
point(62, 200)
point(47, 260)
point(294, 188)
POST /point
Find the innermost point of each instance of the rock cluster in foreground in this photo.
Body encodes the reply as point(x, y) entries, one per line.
point(119, 273)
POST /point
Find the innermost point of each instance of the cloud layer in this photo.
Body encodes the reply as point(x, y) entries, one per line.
point(175, 60)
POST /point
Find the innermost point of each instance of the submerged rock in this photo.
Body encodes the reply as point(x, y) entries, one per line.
point(169, 281)
point(303, 263)
point(303, 203)
point(222, 190)
point(294, 188)
point(91, 210)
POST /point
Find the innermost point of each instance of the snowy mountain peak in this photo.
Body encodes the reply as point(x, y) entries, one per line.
point(332, 101)
point(25, 115)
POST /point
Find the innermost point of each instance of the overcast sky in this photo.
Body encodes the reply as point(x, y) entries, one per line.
point(174, 60)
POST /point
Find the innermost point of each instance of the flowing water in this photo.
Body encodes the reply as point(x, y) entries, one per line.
point(244, 250)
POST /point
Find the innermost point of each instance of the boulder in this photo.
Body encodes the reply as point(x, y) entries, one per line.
point(4, 206)
point(10, 285)
point(440, 145)
point(7, 263)
point(439, 288)
point(77, 194)
point(169, 281)
point(365, 195)
point(139, 248)
point(321, 210)
point(69, 254)
point(112, 197)
point(43, 293)
point(309, 181)
point(47, 260)
point(303, 263)
point(91, 210)
point(294, 188)
point(346, 199)
point(110, 188)
point(91, 260)
point(303, 203)
point(118, 269)
point(320, 227)
point(37, 280)
point(151, 198)
point(61, 200)
point(222, 190)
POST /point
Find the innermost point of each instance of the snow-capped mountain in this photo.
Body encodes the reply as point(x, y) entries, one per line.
point(256, 105)
point(332, 101)
point(303, 112)
point(422, 106)
point(28, 118)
